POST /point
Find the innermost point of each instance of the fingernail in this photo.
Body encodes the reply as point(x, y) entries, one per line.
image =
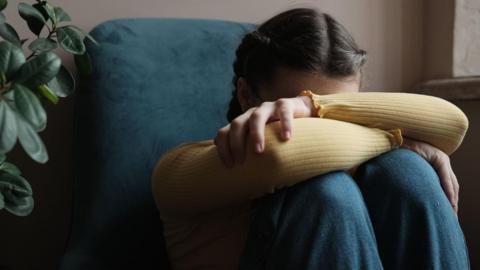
point(259, 147)
point(286, 134)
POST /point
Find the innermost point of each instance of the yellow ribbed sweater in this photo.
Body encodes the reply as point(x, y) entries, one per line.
point(205, 207)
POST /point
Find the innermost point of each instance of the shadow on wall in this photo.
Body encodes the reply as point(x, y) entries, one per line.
point(465, 165)
point(41, 237)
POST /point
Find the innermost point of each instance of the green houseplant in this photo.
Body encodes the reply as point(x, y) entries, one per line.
point(29, 77)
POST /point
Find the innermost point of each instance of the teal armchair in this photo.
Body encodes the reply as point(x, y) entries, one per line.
point(156, 83)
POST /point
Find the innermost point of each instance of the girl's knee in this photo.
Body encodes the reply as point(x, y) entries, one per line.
point(403, 174)
point(402, 162)
point(332, 191)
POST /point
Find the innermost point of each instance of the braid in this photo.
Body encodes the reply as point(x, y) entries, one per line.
point(252, 41)
point(262, 39)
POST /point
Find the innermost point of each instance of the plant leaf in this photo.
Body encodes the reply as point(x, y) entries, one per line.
point(8, 33)
point(2, 18)
point(2, 201)
point(39, 70)
point(21, 206)
point(70, 40)
point(28, 12)
point(3, 4)
point(48, 93)
point(50, 11)
point(2, 158)
point(8, 127)
point(41, 9)
point(30, 141)
point(11, 58)
point(29, 107)
point(17, 194)
point(32, 16)
point(83, 63)
point(9, 168)
point(14, 183)
point(84, 33)
point(42, 45)
point(63, 84)
point(61, 15)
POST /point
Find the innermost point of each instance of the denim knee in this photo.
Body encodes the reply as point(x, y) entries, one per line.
point(319, 223)
point(335, 193)
point(403, 174)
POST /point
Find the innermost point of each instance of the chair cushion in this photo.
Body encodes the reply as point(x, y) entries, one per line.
point(157, 83)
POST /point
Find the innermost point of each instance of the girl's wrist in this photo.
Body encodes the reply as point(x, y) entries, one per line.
point(307, 98)
point(309, 108)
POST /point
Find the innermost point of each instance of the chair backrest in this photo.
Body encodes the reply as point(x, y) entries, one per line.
point(157, 82)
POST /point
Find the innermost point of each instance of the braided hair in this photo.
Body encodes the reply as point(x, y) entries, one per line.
point(301, 38)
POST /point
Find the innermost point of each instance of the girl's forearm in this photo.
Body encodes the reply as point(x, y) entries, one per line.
point(420, 117)
point(191, 179)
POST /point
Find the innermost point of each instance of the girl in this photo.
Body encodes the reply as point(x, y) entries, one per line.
point(312, 178)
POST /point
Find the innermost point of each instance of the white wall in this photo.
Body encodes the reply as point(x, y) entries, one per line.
point(390, 31)
point(466, 57)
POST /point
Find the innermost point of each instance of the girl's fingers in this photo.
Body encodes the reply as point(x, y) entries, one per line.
point(231, 140)
point(446, 182)
point(441, 162)
point(456, 188)
point(257, 122)
point(237, 134)
point(284, 111)
point(223, 148)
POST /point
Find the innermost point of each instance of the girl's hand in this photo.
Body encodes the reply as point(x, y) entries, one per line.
point(441, 163)
point(231, 139)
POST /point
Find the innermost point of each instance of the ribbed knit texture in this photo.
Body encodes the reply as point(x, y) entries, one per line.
point(192, 187)
point(419, 117)
point(191, 179)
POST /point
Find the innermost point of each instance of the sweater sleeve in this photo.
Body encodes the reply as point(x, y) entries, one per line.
point(420, 117)
point(190, 179)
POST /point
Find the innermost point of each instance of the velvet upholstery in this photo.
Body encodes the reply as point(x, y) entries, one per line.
point(156, 83)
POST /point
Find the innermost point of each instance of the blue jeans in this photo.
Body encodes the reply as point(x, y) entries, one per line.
point(393, 214)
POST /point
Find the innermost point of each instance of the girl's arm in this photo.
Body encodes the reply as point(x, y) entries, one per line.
point(420, 117)
point(191, 179)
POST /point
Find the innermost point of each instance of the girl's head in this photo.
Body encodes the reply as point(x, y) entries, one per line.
point(297, 49)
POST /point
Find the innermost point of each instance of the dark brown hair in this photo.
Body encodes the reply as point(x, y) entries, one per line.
point(300, 38)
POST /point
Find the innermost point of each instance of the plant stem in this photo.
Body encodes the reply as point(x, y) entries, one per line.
point(31, 55)
point(52, 32)
point(5, 89)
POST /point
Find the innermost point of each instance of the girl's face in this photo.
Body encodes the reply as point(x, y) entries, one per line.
point(288, 83)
